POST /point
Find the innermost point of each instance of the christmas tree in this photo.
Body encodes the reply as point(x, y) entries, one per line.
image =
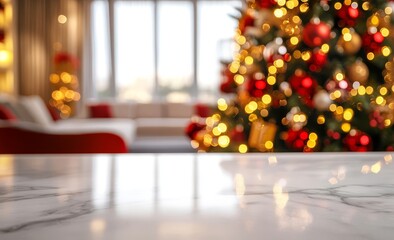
point(307, 76)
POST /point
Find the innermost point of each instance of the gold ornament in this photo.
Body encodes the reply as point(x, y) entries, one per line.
point(322, 100)
point(262, 135)
point(349, 43)
point(358, 71)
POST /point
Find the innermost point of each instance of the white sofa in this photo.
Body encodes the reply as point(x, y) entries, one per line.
point(145, 127)
point(33, 114)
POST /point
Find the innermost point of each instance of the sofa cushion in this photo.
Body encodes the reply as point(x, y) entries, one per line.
point(54, 112)
point(178, 110)
point(100, 110)
point(12, 104)
point(37, 110)
point(123, 109)
point(7, 114)
point(161, 126)
point(149, 110)
point(21, 112)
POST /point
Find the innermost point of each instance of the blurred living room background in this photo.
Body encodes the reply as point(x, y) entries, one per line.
point(150, 61)
point(109, 76)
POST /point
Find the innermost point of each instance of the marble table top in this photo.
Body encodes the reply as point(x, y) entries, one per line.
point(197, 196)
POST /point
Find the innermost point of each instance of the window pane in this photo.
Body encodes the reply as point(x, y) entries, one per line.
point(101, 51)
point(134, 49)
point(175, 49)
point(215, 32)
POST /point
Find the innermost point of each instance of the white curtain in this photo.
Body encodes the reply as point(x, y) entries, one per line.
point(108, 42)
point(40, 36)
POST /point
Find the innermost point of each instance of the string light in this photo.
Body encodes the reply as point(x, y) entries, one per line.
point(223, 141)
point(243, 148)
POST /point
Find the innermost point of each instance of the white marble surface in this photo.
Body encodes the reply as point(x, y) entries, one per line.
point(207, 196)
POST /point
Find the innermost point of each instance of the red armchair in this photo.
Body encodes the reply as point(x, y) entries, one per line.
point(17, 140)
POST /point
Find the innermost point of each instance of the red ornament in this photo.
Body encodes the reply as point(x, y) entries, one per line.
point(348, 15)
point(202, 110)
point(245, 21)
point(317, 61)
point(266, 3)
point(256, 85)
point(373, 42)
point(237, 135)
point(64, 57)
point(227, 84)
point(296, 139)
point(357, 141)
point(316, 34)
point(226, 87)
point(304, 85)
point(193, 128)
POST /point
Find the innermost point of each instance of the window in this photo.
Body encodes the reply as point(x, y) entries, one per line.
point(166, 50)
point(175, 56)
point(101, 54)
point(134, 50)
point(215, 30)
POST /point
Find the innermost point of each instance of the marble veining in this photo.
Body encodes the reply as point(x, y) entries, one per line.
point(61, 214)
point(197, 196)
point(379, 198)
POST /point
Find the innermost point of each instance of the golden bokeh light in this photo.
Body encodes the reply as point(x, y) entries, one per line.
point(243, 148)
point(223, 141)
point(62, 19)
